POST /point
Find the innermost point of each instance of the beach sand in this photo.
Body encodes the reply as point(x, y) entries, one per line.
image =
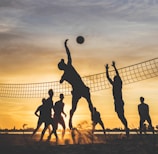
point(112, 144)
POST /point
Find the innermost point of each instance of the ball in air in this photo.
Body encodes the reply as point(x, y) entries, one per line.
point(80, 39)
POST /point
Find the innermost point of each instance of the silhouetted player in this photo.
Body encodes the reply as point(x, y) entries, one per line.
point(44, 117)
point(41, 115)
point(79, 89)
point(48, 114)
point(143, 110)
point(97, 119)
point(58, 111)
point(117, 95)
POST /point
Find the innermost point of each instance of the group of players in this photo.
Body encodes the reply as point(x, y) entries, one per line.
point(79, 89)
point(44, 112)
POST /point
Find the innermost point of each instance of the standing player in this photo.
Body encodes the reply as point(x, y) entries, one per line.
point(40, 112)
point(58, 111)
point(44, 117)
point(48, 113)
point(143, 110)
point(117, 95)
point(79, 89)
point(97, 119)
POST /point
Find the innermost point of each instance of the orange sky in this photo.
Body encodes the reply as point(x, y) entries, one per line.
point(16, 112)
point(32, 36)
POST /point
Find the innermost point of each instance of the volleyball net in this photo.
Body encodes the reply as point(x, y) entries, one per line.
point(96, 82)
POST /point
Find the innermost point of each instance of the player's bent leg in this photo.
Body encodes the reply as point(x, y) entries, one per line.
point(64, 127)
point(150, 125)
point(43, 132)
point(75, 99)
point(38, 126)
point(54, 124)
point(87, 96)
point(102, 125)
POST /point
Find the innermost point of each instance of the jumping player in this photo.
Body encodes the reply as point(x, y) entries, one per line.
point(79, 89)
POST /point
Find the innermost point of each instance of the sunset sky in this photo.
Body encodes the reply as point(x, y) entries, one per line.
point(32, 35)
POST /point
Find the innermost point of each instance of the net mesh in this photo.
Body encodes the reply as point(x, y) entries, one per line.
point(130, 74)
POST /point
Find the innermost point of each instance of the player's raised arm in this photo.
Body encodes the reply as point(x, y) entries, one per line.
point(113, 64)
point(107, 74)
point(68, 52)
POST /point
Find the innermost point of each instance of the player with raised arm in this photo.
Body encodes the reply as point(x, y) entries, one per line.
point(79, 89)
point(117, 95)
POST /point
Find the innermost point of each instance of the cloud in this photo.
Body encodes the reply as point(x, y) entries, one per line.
point(31, 27)
point(60, 17)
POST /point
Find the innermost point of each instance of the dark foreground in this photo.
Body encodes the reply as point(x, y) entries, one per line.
point(113, 144)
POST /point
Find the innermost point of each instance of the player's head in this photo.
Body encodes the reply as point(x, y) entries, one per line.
point(142, 99)
point(43, 100)
point(61, 64)
point(117, 79)
point(94, 109)
point(50, 92)
point(61, 96)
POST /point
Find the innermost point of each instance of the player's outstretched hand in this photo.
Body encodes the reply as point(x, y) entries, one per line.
point(66, 41)
point(113, 63)
point(107, 67)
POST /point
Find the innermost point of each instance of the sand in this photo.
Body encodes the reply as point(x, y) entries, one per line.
point(113, 144)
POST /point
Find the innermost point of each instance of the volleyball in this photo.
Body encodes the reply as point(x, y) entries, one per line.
point(80, 39)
